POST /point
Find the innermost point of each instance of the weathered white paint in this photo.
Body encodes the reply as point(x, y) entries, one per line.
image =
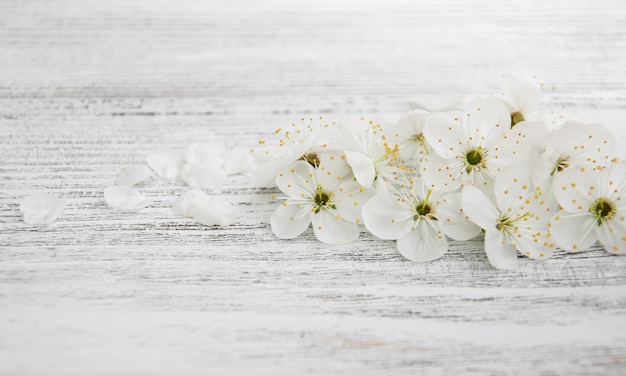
point(88, 87)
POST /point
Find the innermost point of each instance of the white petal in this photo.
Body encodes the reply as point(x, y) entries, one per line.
point(444, 134)
point(205, 154)
point(297, 180)
point(166, 164)
point(442, 174)
point(134, 174)
point(440, 102)
point(213, 211)
point(501, 253)
point(511, 188)
point(237, 161)
point(332, 230)
point(289, 221)
point(41, 209)
point(489, 120)
point(350, 198)
point(386, 218)
point(479, 208)
point(452, 220)
point(362, 167)
point(182, 205)
point(573, 233)
point(125, 198)
point(572, 189)
point(424, 243)
point(523, 92)
point(203, 175)
point(612, 235)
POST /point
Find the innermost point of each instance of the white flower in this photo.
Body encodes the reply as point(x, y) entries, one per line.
point(324, 195)
point(517, 221)
point(522, 96)
point(41, 209)
point(470, 148)
point(419, 219)
point(573, 145)
point(133, 174)
point(368, 152)
point(594, 208)
point(408, 134)
point(125, 198)
point(299, 141)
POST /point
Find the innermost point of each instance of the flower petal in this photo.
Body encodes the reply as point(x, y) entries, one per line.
point(423, 243)
point(205, 154)
point(330, 229)
point(501, 253)
point(612, 235)
point(452, 220)
point(489, 120)
point(212, 211)
point(133, 174)
point(203, 175)
point(511, 188)
point(362, 167)
point(41, 209)
point(522, 92)
point(572, 189)
point(125, 198)
point(350, 198)
point(237, 161)
point(166, 164)
point(478, 208)
point(573, 232)
point(297, 180)
point(444, 134)
point(289, 220)
point(386, 218)
point(182, 205)
point(440, 102)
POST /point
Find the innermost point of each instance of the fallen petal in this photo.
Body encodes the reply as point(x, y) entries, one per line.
point(166, 164)
point(133, 174)
point(125, 198)
point(183, 203)
point(41, 209)
point(213, 211)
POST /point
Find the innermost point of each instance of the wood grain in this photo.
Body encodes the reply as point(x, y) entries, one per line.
point(87, 87)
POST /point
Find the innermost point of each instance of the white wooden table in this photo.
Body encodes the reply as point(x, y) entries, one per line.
point(87, 87)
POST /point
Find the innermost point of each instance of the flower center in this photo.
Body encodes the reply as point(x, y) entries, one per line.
point(507, 224)
point(423, 208)
point(311, 158)
point(602, 209)
point(561, 164)
point(516, 117)
point(474, 158)
point(419, 139)
point(321, 199)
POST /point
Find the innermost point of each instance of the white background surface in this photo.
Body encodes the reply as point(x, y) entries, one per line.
point(87, 87)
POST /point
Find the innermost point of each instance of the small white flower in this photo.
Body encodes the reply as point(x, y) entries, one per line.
point(517, 221)
point(419, 219)
point(368, 152)
point(299, 141)
point(573, 145)
point(125, 198)
point(133, 174)
point(594, 208)
point(470, 148)
point(408, 134)
point(522, 96)
point(41, 209)
point(182, 205)
point(211, 210)
point(324, 195)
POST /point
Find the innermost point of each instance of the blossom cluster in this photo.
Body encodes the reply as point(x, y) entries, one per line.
point(500, 166)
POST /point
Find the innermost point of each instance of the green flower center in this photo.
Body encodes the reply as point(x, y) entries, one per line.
point(423, 208)
point(516, 117)
point(312, 158)
point(602, 209)
point(321, 199)
point(474, 158)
